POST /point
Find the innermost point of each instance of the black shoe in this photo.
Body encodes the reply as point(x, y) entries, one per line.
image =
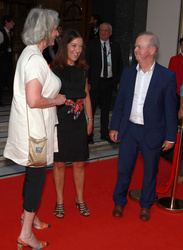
point(118, 211)
point(106, 138)
point(145, 214)
point(90, 139)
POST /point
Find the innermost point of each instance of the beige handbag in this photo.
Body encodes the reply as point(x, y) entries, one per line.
point(37, 149)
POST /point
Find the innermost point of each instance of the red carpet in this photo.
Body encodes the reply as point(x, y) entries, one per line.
point(100, 230)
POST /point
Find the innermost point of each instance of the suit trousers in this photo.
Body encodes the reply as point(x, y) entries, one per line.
point(102, 95)
point(131, 143)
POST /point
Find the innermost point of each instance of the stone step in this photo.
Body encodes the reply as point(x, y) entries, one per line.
point(2, 142)
point(99, 150)
point(99, 145)
point(3, 137)
point(5, 108)
point(4, 122)
point(5, 112)
point(3, 127)
point(3, 161)
point(4, 134)
point(102, 146)
point(9, 168)
point(4, 118)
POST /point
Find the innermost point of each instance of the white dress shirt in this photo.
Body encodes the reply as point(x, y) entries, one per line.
point(109, 61)
point(141, 88)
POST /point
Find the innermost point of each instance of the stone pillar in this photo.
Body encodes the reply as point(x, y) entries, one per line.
point(130, 20)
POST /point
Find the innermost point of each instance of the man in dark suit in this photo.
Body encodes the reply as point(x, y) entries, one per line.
point(105, 66)
point(94, 23)
point(144, 119)
point(6, 61)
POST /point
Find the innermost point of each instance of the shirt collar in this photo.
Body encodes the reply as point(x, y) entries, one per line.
point(7, 31)
point(106, 42)
point(150, 70)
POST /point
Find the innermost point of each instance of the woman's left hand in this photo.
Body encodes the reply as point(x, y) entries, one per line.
point(89, 127)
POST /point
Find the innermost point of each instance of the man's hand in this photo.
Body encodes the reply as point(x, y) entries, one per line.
point(180, 114)
point(167, 145)
point(113, 135)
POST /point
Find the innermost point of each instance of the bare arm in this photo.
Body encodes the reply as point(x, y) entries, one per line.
point(35, 100)
point(88, 108)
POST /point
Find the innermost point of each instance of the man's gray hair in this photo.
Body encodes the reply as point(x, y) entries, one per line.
point(154, 41)
point(39, 26)
point(110, 26)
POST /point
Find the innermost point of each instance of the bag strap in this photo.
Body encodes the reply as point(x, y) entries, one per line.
point(27, 108)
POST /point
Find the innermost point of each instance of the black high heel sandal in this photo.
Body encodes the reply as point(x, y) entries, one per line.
point(59, 211)
point(83, 208)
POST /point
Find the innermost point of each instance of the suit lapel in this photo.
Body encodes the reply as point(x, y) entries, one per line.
point(99, 53)
point(111, 48)
point(153, 82)
point(131, 89)
point(112, 55)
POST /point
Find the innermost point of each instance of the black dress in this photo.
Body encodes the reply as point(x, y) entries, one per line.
point(71, 131)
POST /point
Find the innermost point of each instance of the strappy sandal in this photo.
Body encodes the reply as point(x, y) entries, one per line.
point(59, 211)
point(82, 208)
point(21, 244)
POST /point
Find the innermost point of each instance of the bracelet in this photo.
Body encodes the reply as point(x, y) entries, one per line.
point(90, 119)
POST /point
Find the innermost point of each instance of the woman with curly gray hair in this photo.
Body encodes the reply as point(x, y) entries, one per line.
point(35, 97)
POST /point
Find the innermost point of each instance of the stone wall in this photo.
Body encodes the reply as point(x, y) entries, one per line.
point(128, 18)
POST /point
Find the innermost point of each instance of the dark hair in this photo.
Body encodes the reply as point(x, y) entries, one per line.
point(98, 18)
point(61, 57)
point(6, 19)
point(181, 40)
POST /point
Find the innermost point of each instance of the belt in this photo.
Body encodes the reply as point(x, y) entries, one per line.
point(75, 107)
point(105, 78)
point(136, 123)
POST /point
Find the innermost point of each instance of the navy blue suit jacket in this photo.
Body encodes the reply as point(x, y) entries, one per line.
point(160, 119)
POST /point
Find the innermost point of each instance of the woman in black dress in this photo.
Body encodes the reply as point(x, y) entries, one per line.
point(73, 128)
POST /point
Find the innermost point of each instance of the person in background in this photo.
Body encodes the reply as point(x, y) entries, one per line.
point(69, 65)
point(176, 64)
point(36, 93)
point(144, 119)
point(105, 66)
point(57, 41)
point(180, 116)
point(6, 60)
point(51, 51)
point(94, 23)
